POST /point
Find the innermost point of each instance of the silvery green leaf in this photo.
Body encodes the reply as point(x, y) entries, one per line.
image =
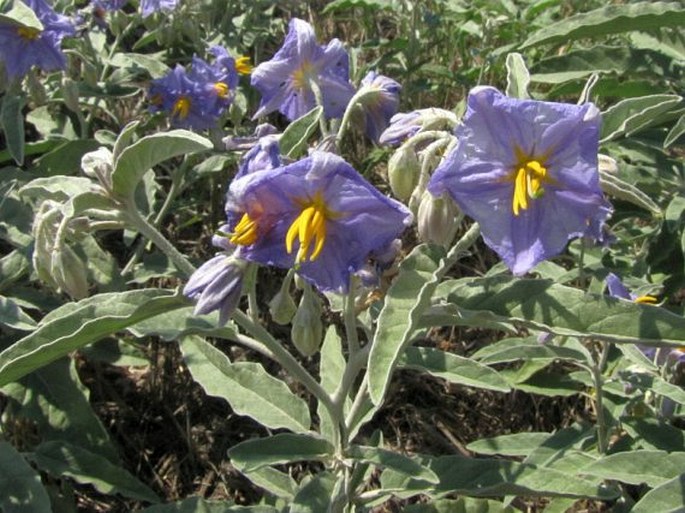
point(518, 77)
point(21, 490)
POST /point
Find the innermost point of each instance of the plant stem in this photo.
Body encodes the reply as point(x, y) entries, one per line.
point(149, 231)
point(285, 359)
point(598, 382)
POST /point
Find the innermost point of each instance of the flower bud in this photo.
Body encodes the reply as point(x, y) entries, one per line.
point(438, 219)
point(282, 307)
point(69, 272)
point(403, 172)
point(307, 329)
point(71, 94)
point(98, 165)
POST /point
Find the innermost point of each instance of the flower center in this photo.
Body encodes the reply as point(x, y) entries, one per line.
point(245, 232)
point(181, 107)
point(301, 76)
point(528, 179)
point(649, 300)
point(310, 230)
point(28, 33)
point(221, 89)
point(243, 66)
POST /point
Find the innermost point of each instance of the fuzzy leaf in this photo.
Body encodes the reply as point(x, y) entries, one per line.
point(248, 388)
point(20, 488)
point(611, 19)
point(282, 448)
point(77, 324)
point(294, 139)
point(136, 159)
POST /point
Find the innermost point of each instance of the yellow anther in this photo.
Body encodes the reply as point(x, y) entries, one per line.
point(181, 107)
point(245, 232)
point(243, 66)
point(309, 228)
point(221, 89)
point(528, 180)
point(28, 33)
point(649, 300)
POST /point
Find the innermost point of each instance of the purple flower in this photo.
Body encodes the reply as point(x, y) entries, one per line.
point(286, 81)
point(617, 289)
point(22, 47)
point(526, 171)
point(380, 98)
point(217, 285)
point(149, 7)
point(318, 215)
point(199, 97)
point(264, 155)
point(406, 124)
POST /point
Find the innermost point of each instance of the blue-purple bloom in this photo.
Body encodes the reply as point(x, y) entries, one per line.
point(246, 142)
point(317, 215)
point(109, 5)
point(217, 285)
point(380, 98)
point(617, 289)
point(199, 97)
point(22, 47)
point(286, 81)
point(526, 171)
point(149, 7)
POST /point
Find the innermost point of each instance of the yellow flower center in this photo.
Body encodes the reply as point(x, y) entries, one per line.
point(221, 89)
point(181, 107)
point(28, 33)
point(243, 66)
point(245, 232)
point(528, 177)
point(649, 300)
point(302, 75)
point(310, 230)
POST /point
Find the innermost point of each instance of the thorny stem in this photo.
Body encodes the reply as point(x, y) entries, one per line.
point(355, 102)
point(251, 282)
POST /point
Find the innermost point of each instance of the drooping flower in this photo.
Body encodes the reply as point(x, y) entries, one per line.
point(317, 215)
point(617, 289)
point(526, 171)
point(22, 47)
point(149, 7)
point(380, 98)
point(288, 81)
point(406, 124)
point(196, 98)
point(217, 285)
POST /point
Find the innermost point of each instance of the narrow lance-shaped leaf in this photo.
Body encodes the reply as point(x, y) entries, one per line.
point(611, 19)
point(248, 388)
point(453, 368)
point(295, 137)
point(518, 77)
point(667, 497)
point(405, 301)
point(12, 124)
point(561, 310)
point(277, 449)
point(632, 114)
point(76, 324)
point(20, 488)
point(60, 458)
point(636, 467)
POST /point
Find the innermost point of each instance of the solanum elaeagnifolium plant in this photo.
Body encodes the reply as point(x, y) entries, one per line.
point(303, 213)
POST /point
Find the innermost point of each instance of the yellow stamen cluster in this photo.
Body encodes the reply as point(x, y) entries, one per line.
point(28, 33)
point(310, 229)
point(221, 89)
point(301, 76)
point(245, 232)
point(528, 180)
point(243, 66)
point(181, 107)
